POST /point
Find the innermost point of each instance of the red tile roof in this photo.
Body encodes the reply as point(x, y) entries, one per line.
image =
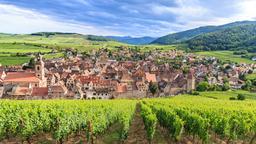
point(88, 79)
point(21, 77)
point(39, 91)
point(57, 88)
point(151, 77)
point(21, 91)
point(120, 88)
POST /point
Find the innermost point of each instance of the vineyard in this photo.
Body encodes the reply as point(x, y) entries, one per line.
point(203, 120)
point(25, 119)
point(184, 119)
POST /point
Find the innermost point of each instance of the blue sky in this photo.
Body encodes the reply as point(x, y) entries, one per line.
point(120, 17)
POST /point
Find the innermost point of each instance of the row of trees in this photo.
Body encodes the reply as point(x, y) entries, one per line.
point(205, 86)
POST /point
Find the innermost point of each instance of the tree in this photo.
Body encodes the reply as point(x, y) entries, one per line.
point(153, 88)
point(248, 85)
point(85, 54)
point(226, 86)
point(225, 80)
point(203, 86)
point(240, 97)
point(110, 55)
point(242, 77)
point(31, 63)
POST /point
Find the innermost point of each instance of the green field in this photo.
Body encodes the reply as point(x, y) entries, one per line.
point(8, 60)
point(12, 59)
point(24, 44)
point(225, 95)
point(251, 76)
point(21, 48)
point(157, 47)
point(62, 41)
point(227, 56)
point(75, 41)
point(53, 56)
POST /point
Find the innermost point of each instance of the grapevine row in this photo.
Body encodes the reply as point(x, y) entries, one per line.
point(61, 118)
point(228, 120)
point(149, 119)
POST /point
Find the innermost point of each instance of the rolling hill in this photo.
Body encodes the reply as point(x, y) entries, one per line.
point(58, 40)
point(183, 36)
point(190, 34)
point(132, 40)
point(241, 37)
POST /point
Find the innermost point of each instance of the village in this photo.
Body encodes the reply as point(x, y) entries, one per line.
point(104, 74)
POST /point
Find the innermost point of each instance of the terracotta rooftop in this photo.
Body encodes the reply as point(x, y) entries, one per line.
point(57, 88)
point(88, 79)
point(20, 91)
point(21, 77)
point(39, 91)
point(120, 88)
point(151, 77)
point(126, 78)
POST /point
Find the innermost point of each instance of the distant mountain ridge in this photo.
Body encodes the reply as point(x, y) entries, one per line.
point(88, 37)
point(189, 34)
point(133, 40)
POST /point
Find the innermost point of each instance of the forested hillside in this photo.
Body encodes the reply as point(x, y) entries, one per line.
point(183, 36)
point(232, 36)
point(235, 38)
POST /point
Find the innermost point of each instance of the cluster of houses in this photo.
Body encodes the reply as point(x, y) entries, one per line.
point(100, 77)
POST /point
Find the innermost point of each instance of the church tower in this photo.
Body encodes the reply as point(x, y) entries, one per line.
point(191, 81)
point(39, 70)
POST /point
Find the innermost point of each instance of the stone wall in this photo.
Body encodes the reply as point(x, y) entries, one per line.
point(131, 94)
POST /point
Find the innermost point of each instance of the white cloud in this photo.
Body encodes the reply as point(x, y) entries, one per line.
point(14, 19)
point(191, 13)
point(185, 9)
point(246, 10)
point(188, 14)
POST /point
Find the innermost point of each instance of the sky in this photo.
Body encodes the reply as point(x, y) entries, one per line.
point(120, 17)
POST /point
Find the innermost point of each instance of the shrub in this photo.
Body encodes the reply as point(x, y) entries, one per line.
point(203, 86)
point(232, 98)
point(241, 97)
point(194, 93)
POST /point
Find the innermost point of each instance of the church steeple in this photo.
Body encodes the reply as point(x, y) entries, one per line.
point(191, 80)
point(39, 67)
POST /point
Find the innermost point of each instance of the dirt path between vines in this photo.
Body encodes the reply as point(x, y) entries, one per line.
point(137, 133)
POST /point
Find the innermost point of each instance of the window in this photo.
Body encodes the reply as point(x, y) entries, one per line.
point(38, 68)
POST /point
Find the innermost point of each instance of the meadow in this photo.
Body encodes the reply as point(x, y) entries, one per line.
point(9, 59)
point(29, 44)
point(60, 41)
point(226, 56)
point(225, 95)
point(21, 48)
point(251, 76)
point(53, 55)
point(146, 48)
